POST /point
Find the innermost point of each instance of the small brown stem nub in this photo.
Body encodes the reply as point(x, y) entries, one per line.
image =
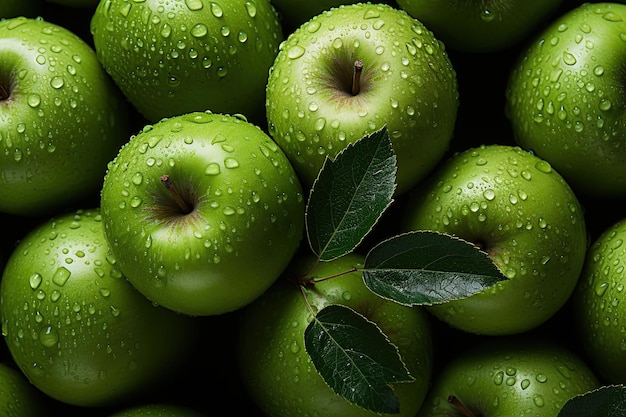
point(452, 399)
point(356, 77)
point(180, 202)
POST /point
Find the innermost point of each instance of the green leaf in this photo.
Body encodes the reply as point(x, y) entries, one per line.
point(423, 268)
point(607, 401)
point(350, 194)
point(355, 358)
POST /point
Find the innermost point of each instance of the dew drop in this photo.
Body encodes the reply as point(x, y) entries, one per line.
point(61, 275)
point(48, 337)
point(231, 163)
point(295, 52)
point(35, 281)
point(216, 9)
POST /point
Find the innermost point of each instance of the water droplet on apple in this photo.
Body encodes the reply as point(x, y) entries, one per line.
point(34, 100)
point(295, 52)
point(231, 163)
point(199, 30)
point(61, 275)
point(600, 288)
point(489, 194)
point(568, 58)
point(194, 4)
point(313, 26)
point(538, 400)
point(487, 15)
point(216, 10)
point(48, 336)
point(35, 280)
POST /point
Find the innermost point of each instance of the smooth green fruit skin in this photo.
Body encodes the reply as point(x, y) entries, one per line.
point(565, 100)
point(481, 26)
point(75, 326)
point(276, 368)
point(525, 216)
point(521, 377)
point(176, 57)
point(599, 307)
point(64, 121)
point(157, 410)
point(408, 84)
point(18, 398)
point(242, 233)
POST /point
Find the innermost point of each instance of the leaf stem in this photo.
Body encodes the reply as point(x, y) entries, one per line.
point(180, 202)
point(356, 77)
point(452, 399)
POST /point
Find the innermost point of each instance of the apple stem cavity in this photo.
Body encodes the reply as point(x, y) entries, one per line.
point(452, 399)
point(4, 94)
point(180, 202)
point(356, 77)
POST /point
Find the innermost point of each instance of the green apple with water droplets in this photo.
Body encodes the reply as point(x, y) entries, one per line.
point(18, 398)
point(61, 118)
point(522, 376)
point(524, 215)
point(275, 366)
point(175, 57)
point(481, 26)
point(353, 69)
point(203, 211)
point(599, 307)
point(565, 98)
point(75, 326)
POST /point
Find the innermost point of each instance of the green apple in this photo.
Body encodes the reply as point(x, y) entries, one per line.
point(61, 118)
point(598, 304)
point(481, 26)
point(276, 368)
point(75, 326)
point(520, 376)
point(521, 212)
point(157, 410)
point(15, 8)
point(564, 98)
point(203, 211)
point(352, 69)
point(180, 56)
point(18, 398)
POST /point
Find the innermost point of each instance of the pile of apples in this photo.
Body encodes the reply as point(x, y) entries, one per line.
point(312, 208)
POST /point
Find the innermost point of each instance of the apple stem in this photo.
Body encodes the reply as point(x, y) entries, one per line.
point(356, 77)
point(3, 93)
point(167, 182)
point(452, 399)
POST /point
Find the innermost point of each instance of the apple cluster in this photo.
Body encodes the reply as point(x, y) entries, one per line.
point(161, 161)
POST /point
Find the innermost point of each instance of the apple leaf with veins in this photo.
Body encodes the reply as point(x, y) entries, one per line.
point(350, 194)
point(424, 268)
point(355, 358)
point(607, 401)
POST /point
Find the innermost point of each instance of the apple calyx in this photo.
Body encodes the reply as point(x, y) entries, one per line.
point(180, 202)
point(452, 399)
point(356, 77)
